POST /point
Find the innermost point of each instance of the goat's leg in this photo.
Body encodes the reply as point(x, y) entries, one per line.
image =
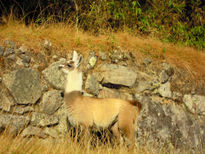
point(116, 132)
point(127, 124)
point(85, 133)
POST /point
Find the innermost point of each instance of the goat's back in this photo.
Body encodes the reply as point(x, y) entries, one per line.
point(100, 112)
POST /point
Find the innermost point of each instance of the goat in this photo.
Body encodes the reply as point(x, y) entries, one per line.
point(115, 114)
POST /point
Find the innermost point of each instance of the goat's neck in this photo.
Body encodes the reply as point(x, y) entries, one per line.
point(70, 98)
point(74, 81)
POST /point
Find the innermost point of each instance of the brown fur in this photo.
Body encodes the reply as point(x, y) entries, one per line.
point(89, 112)
point(110, 113)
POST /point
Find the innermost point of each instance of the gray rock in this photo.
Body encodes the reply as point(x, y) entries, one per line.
point(164, 124)
point(13, 124)
point(62, 127)
point(195, 103)
point(165, 90)
point(168, 69)
point(24, 84)
point(45, 88)
point(164, 77)
point(102, 55)
point(92, 60)
point(51, 132)
point(54, 76)
point(143, 86)
point(177, 96)
point(138, 97)
point(117, 75)
point(26, 59)
point(147, 61)
point(112, 93)
point(92, 85)
point(51, 102)
point(42, 120)
point(126, 96)
point(8, 51)
point(23, 109)
point(108, 93)
point(10, 44)
point(6, 102)
point(19, 62)
point(33, 131)
point(22, 50)
point(1, 51)
point(116, 56)
point(11, 57)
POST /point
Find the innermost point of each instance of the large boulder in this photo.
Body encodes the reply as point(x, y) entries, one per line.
point(23, 109)
point(117, 75)
point(162, 124)
point(13, 124)
point(33, 131)
point(6, 101)
point(165, 90)
point(92, 85)
point(113, 93)
point(42, 120)
point(24, 84)
point(54, 76)
point(52, 100)
point(195, 103)
point(62, 127)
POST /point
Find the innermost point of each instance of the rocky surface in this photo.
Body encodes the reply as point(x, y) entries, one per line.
point(170, 123)
point(24, 85)
point(51, 102)
point(92, 85)
point(117, 75)
point(195, 103)
point(42, 120)
point(31, 95)
point(33, 131)
point(13, 124)
point(54, 76)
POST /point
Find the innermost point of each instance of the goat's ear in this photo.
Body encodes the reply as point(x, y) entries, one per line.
point(79, 61)
point(75, 56)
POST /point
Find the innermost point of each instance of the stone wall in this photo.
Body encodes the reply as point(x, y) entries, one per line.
point(31, 94)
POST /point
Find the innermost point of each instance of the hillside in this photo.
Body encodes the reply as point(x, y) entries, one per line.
point(168, 79)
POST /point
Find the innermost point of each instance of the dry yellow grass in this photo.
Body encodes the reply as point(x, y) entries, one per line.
point(33, 145)
point(65, 38)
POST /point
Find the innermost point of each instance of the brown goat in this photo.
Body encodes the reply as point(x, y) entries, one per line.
point(118, 115)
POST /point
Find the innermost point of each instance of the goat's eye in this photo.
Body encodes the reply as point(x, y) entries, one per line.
point(69, 65)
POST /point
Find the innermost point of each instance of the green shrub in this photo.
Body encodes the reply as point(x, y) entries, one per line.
point(174, 20)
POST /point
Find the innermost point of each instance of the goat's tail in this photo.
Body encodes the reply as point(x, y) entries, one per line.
point(137, 104)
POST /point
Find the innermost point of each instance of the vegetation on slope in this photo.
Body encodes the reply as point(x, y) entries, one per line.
point(179, 21)
point(65, 38)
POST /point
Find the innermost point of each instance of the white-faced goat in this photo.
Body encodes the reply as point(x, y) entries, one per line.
point(118, 115)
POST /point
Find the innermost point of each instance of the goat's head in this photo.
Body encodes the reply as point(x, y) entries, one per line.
point(74, 79)
point(71, 64)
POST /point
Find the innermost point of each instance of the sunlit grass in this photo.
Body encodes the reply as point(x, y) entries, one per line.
point(19, 145)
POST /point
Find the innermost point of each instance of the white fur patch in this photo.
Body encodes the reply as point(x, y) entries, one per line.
point(74, 81)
